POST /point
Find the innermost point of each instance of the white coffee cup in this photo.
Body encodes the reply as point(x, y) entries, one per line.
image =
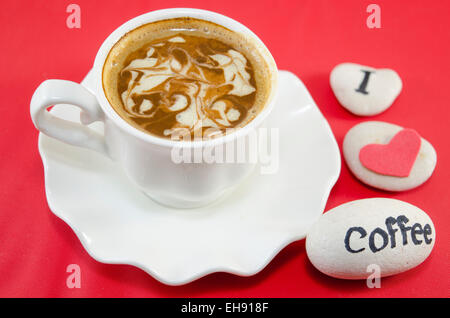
point(147, 159)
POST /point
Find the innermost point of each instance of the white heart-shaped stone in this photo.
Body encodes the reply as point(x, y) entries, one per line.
point(377, 132)
point(364, 90)
point(358, 238)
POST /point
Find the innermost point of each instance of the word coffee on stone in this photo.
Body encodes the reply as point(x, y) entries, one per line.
point(392, 234)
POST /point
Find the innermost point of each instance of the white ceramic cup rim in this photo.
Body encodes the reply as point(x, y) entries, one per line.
point(169, 14)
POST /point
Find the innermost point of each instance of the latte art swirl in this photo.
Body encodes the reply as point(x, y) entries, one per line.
point(185, 78)
point(200, 85)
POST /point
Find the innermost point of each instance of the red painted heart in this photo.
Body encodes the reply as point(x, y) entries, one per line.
point(395, 158)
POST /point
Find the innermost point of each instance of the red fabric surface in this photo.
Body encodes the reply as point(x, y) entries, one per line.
point(306, 37)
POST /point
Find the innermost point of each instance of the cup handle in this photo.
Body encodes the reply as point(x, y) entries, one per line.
point(52, 92)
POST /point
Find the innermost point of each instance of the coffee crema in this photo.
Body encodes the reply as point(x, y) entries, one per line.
point(186, 76)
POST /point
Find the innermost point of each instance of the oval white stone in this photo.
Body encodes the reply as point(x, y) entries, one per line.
point(376, 132)
point(381, 88)
point(339, 244)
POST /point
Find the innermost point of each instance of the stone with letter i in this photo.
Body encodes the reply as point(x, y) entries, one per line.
point(364, 90)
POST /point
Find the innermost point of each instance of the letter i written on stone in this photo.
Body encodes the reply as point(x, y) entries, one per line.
point(365, 81)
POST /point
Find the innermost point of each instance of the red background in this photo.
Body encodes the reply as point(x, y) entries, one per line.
point(306, 37)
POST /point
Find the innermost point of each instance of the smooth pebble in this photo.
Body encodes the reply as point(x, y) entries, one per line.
point(375, 132)
point(370, 236)
point(364, 90)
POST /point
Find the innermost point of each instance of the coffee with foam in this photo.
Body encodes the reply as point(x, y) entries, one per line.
point(186, 75)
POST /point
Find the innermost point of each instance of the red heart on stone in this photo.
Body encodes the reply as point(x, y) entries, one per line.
point(395, 158)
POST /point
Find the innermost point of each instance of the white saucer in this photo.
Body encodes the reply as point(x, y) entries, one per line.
point(240, 234)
